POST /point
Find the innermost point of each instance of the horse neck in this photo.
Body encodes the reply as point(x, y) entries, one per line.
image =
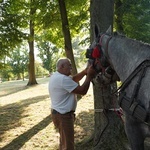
point(126, 54)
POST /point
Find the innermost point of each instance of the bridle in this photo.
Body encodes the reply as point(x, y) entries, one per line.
point(98, 55)
point(107, 43)
point(103, 61)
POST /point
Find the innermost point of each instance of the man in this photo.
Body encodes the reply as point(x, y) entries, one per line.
point(62, 90)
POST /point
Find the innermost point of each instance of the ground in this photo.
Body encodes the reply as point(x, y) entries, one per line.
point(25, 121)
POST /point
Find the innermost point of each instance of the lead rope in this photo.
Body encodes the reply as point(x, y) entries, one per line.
point(118, 112)
point(103, 111)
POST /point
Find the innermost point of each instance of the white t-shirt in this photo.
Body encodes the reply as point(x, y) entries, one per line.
point(60, 88)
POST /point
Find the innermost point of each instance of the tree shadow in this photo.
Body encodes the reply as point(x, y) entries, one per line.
point(11, 114)
point(18, 142)
point(85, 120)
point(17, 86)
point(12, 90)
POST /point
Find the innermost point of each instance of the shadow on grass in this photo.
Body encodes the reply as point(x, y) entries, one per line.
point(85, 120)
point(17, 143)
point(11, 114)
point(12, 90)
point(8, 88)
point(85, 141)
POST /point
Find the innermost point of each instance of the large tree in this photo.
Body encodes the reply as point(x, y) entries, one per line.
point(66, 33)
point(32, 12)
point(18, 19)
point(109, 130)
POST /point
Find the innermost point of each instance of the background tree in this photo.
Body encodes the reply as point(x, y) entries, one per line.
point(109, 130)
point(19, 62)
point(6, 73)
point(31, 67)
point(132, 18)
point(48, 53)
point(40, 71)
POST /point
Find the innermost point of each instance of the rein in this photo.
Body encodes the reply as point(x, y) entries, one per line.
point(131, 105)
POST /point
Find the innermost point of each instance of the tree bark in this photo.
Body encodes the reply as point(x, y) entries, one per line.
point(109, 129)
point(67, 36)
point(32, 79)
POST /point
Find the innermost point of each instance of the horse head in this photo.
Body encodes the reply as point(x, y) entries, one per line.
point(97, 54)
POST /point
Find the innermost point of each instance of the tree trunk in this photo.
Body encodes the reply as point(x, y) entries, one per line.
point(67, 37)
point(109, 129)
point(32, 79)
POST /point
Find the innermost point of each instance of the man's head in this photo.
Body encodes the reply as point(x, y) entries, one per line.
point(64, 66)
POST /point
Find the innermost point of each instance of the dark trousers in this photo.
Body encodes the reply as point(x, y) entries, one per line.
point(65, 124)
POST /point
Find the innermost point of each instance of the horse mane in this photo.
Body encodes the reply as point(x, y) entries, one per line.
point(139, 43)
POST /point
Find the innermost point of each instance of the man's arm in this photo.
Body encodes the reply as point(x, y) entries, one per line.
point(85, 86)
point(79, 76)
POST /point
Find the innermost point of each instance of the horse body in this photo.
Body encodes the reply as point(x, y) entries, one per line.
point(124, 56)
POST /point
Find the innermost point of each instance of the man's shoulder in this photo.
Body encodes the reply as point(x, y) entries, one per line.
point(57, 75)
point(60, 75)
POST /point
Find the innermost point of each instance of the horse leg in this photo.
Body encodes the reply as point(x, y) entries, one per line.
point(134, 133)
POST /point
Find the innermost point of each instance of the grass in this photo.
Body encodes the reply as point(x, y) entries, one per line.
point(25, 120)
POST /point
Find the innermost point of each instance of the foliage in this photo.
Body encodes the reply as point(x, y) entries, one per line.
point(48, 54)
point(15, 22)
point(9, 22)
point(135, 18)
point(19, 62)
point(138, 21)
point(16, 64)
point(40, 71)
point(6, 73)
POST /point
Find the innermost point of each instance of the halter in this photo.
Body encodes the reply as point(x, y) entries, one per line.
point(107, 74)
point(101, 59)
point(107, 42)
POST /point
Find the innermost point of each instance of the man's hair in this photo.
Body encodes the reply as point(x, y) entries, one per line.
point(61, 62)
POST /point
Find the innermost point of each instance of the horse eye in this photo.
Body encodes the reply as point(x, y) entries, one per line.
point(89, 53)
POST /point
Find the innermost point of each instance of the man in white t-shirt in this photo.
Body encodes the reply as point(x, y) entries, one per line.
point(62, 91)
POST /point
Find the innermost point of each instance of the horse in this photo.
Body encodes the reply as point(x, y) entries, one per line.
point(117, 57)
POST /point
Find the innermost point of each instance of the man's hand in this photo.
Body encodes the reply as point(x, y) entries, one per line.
point(91, 72)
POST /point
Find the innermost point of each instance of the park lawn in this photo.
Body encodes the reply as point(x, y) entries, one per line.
point(25, 121)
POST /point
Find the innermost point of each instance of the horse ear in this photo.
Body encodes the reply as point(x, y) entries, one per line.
point(109, 31)
point(96, 30)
